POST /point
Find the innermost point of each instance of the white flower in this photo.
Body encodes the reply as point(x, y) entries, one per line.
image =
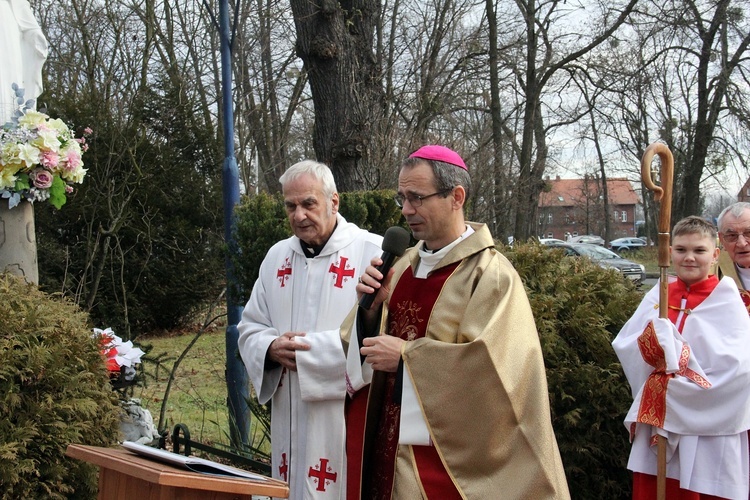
point(29, 154)
point(126, 354)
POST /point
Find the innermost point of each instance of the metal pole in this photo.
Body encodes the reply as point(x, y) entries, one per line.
point(235, 374)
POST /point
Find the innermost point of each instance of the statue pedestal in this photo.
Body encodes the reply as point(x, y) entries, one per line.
point(18, 241)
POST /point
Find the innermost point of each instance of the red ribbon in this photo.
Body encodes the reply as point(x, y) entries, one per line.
point(653, 407)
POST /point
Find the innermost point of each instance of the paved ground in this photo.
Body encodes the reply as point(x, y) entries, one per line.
point(650, 280)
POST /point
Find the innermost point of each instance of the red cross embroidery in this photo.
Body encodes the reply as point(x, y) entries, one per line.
point(341, 272)
point(323, 474)
point(283, 467)
point(284, 272)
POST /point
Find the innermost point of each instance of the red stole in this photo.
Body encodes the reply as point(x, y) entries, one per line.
point(653, 407)
point(410, 308)
point(693, 295)
point(745, 295)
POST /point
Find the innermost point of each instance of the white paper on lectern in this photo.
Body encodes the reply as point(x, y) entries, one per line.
point(194, 464)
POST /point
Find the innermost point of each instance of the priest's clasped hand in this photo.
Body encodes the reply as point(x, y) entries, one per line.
point(284, 349)
point(382, 352)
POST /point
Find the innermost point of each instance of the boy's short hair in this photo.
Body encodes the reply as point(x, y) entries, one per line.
point(693, 224)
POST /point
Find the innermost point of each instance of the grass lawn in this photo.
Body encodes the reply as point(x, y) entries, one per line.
point(198, 394)
point(649, 257)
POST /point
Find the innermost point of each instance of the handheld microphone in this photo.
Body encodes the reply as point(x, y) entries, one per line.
point(395, 241)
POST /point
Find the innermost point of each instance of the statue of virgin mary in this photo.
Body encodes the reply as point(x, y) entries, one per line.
point(24, 50)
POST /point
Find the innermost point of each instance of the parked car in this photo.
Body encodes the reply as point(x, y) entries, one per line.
point(626, 244)
point(550, 241)
point(605, 258)
point(588, 238)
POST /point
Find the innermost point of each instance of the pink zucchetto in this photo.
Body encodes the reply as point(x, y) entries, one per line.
point(439, 153)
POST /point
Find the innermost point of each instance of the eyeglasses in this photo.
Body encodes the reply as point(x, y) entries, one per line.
point(732, 237)
point(416, 200)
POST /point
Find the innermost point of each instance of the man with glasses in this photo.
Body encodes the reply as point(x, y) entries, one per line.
point(734, 233)
point(445, 369)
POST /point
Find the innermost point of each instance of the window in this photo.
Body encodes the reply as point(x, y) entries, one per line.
point(615, 215)
point(567, 219)
point(549, 219)
point(550, 235)
point(624, 216)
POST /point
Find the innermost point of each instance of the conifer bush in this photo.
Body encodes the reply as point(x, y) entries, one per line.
point(374, 211)
point(54, 391)
point(579, 308)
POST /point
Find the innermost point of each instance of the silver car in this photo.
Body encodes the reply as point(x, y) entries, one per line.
point(588, 238)
point(626, 244)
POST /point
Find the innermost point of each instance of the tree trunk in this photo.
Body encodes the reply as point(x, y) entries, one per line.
point(711, 96)
point(497, 223)
point(335, 40)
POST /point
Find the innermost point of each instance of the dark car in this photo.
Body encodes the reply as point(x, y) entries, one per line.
point(626, 244)
point(605, 258)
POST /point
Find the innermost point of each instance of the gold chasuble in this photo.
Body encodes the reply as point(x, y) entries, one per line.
point(727, 268)
point(474, 358)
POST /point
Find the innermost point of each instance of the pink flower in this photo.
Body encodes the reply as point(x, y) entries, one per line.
point(68, 188)
point(50, 159)
point(88, 131)
point(74, 161)
point(82, 142)
point(41, 177)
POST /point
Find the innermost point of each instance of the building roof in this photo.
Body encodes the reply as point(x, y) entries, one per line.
point(570, 192)
point(742, 195)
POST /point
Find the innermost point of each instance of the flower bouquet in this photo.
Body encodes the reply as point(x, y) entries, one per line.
point(136, 422)
point(40, 159)
point(120, 357)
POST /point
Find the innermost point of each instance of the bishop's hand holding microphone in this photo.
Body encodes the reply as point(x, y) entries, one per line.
point(395, 242)
point(382, 352)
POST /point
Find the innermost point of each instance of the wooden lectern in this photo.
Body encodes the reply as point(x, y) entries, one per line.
point(124, 475)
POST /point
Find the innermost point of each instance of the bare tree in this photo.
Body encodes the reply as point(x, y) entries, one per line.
point(715, 37)
point(547, 44)
point(679, 77)
point(335, 42)
point(270, 89)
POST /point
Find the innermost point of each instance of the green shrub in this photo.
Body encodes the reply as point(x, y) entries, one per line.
point(372, 210)
point(260, 221)
point(579, 308)
point(54, 391)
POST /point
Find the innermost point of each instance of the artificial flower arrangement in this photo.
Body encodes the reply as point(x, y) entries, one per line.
point(121, 357)
point(40, 157)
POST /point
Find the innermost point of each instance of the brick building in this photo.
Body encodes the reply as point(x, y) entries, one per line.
point(744, 194)
point(576, 206)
